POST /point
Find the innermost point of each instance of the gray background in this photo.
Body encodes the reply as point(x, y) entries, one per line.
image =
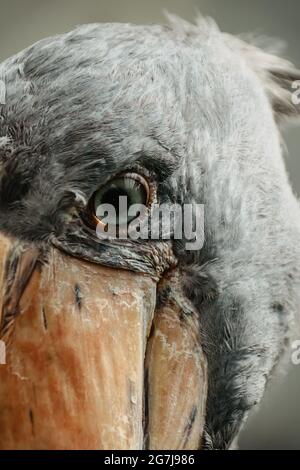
point(22, 22)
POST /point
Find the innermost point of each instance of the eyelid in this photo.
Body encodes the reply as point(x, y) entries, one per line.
point(137, 177)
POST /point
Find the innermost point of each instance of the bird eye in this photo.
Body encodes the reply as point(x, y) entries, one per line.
point(120, 193)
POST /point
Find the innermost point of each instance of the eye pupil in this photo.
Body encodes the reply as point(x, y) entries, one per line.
point(131, 186)
point(112, 196)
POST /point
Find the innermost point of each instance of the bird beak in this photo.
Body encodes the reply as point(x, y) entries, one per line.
point(91, 363)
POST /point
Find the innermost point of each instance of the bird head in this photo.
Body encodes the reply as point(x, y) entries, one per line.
point(122, 340)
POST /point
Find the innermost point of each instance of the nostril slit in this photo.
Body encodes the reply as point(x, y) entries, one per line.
point(45, 321)
point(78, 296)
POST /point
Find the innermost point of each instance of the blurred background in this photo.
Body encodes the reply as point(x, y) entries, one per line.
point(277, 424)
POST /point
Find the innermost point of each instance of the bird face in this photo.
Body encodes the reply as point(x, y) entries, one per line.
point(122, 342)
point(104, 339)
point(107, 329)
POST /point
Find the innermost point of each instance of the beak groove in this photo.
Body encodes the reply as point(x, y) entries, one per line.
point(21, 262)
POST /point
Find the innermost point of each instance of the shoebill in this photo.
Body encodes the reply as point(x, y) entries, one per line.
point(122, 343)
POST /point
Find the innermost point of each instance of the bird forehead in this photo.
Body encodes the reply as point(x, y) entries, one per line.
point(117, 63)
point(123, 78)
point(114, 92)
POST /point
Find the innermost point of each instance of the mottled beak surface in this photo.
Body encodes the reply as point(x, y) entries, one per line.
point(90, 362)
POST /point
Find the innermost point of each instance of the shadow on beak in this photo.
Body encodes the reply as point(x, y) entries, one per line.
point(93, 361)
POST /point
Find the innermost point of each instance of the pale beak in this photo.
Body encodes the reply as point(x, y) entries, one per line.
point(76, 335)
